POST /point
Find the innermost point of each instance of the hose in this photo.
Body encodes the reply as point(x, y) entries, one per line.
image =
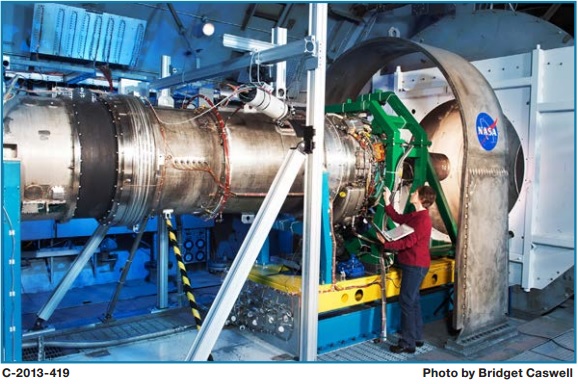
point(103, 344)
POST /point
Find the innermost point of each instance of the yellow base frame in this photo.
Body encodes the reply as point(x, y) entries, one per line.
point(347, 293)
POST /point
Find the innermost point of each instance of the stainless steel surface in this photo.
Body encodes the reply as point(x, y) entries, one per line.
point(137, 178)
point(348, 166)
point(482, 259)
point(118, 159)
point(266, 103)
point(49, 157)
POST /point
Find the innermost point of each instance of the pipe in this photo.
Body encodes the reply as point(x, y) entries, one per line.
point(162, 264)
point(48, 309)
point(266, 103)
point(126, 269)
point(103, 344)
point(181, 28)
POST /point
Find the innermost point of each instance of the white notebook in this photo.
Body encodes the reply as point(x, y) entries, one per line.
point(394, 233)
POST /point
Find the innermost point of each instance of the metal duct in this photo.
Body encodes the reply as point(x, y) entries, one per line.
point(72, 32)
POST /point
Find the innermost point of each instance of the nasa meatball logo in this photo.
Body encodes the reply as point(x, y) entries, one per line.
point(487, 131)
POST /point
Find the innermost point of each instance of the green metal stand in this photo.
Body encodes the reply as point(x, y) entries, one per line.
point(388, 127)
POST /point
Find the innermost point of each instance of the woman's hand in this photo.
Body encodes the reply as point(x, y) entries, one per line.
point(386, 196)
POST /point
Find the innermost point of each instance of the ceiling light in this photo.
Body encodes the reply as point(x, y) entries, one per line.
point(208, 27)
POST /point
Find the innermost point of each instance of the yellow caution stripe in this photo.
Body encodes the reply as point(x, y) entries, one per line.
point(184, 277)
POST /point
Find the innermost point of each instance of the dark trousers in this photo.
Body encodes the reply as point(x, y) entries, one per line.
point(409, 302)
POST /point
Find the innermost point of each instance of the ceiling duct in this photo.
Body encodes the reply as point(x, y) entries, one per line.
point(75, 33)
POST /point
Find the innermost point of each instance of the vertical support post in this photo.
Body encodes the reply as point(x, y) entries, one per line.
point(532, 172)
point(313, 187)
point(165, 99)
point(75, 269)
point(162, 263)
point(10, 266)
point(280, 38)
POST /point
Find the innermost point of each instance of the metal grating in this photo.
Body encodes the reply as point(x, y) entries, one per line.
point(483, 339)
point(529, 356)
point(372, 352)
point(561, 348)
point(110, 334)
point(31, 354)
point(567, 340)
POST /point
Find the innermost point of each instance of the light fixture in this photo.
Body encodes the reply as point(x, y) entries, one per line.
point(208, 27)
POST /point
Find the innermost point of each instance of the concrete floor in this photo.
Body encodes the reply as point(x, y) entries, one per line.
point(141, 333)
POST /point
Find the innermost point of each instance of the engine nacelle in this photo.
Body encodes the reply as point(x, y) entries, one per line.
point(117, 158)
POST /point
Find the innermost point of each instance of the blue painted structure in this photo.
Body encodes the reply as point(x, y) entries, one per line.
point(344, 328)
point(10, 273)
point(326, 268)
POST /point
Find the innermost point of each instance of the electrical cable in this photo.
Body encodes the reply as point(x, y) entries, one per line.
point(11, 86)
point(226, 99)
point(225, 139)
point(184, 278)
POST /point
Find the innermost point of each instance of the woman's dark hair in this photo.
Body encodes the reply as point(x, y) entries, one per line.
point(427, 195)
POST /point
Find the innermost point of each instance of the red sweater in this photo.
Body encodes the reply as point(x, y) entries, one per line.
point(413, 249)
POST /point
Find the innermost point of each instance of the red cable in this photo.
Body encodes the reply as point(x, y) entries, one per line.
point(227, 185)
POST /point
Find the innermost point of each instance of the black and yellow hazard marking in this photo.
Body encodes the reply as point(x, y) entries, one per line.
point(184, 278)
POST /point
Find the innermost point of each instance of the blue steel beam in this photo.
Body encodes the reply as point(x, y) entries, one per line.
point(10, 272)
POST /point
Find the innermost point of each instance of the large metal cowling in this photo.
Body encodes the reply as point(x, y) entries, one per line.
point(116, 158)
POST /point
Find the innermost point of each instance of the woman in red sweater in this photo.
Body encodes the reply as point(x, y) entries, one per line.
point(413, 258)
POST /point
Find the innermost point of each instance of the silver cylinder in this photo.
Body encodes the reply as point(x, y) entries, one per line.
point(266, 103)
point(116, 158)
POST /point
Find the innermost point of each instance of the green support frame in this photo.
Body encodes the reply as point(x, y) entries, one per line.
point(388, 128)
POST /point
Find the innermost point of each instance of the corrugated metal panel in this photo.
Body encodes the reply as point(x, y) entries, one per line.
point(65, 31)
